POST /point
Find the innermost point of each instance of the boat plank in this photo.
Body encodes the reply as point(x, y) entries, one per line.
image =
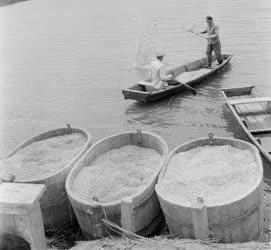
point(254, 123)
point(251, 100)
point(265, 119)
point(251, 122)
point(244, 109)
point(239, 91)
point(257, 106)
point(261, 131)
point(266, 143)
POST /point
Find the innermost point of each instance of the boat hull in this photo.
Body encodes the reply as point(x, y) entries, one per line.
point(137, 92)
point(254, 135)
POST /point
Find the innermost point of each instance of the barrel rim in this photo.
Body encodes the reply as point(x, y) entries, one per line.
point(36, 138)
point(69, 181)
point(177, 149)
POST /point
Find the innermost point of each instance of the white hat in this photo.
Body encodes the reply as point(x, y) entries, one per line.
point(160, 54)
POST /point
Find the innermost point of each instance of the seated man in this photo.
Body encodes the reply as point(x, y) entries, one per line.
point(158, 77)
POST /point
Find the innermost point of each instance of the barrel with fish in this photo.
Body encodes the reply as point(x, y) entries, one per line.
point(213, 188)
point(115, 182)
point(47, 159)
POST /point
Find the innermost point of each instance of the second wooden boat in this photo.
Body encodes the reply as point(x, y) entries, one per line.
point(253, 115)
point(191, 73)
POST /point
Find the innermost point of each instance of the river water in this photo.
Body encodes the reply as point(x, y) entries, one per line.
point(66, 61)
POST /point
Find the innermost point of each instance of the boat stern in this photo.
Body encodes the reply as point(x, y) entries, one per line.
point(131, 94)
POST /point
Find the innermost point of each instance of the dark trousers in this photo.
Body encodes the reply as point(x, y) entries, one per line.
point(217, 49)
point(172, 82)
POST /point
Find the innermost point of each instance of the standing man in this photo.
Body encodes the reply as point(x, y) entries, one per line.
point(213, 43)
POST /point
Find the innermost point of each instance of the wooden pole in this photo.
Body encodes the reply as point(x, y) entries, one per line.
point(127, 214)
point(200, 219)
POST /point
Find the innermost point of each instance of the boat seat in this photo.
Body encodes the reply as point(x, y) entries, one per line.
point(147, 85)
point(237, 92)
point(261, 131)
point(266, 143)
point(250, 113)
point(250, 100)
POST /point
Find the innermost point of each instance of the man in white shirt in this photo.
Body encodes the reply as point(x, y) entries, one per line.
point(158, 75)
point(159, 78)
point(213, 43)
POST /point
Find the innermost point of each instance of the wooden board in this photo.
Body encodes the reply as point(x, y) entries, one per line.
point(261, 131)
point(266, 143)
point(20, 194)
point(253, 123)
point(258, 122)
point(239, 91)
point(250, 100)
point(246, 108)
point(54, 203)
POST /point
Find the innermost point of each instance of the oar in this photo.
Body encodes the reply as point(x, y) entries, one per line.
point(189, 88)
point(184, 84)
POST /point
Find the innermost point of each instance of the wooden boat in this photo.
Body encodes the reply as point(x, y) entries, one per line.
point(55, 207)
point(238, 219)
point(253, 115)
point(138, 92)
point(140, 212)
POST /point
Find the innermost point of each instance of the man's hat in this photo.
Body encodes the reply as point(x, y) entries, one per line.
point(160, 54)
point(209, 17)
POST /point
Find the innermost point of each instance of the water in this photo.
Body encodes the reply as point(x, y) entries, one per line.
point(67, 61)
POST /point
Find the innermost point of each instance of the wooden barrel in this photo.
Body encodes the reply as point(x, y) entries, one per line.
point(139, 212)
point(56, 210)
point(237, 220)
